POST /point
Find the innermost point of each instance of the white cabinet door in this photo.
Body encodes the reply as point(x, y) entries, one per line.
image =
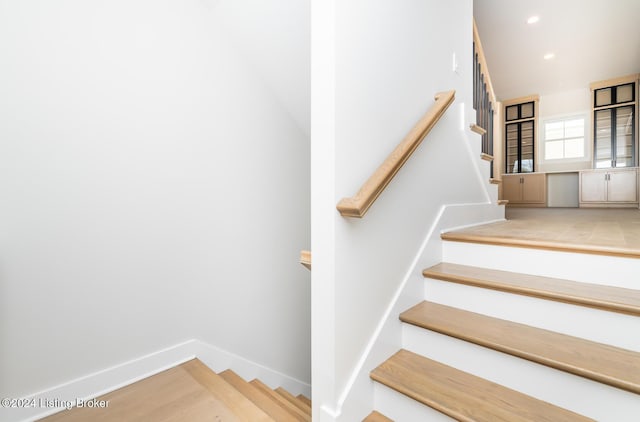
point(622, 186)
point(593, 186)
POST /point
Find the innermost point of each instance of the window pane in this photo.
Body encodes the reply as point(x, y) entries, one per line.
point(574, 148)
point(624, 93)
point(553, 150)
point(554, 130)
point(564, 138)
point(603, 97)
point(526, 110)
point(574, 128)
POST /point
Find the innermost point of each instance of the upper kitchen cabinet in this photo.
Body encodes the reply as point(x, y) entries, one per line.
point(520, 134)
point(615, 107)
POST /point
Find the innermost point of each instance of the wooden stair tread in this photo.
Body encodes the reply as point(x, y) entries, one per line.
point(615, 299)
point(477, 129)
point(238, 404)
point(257, 396)
point(304, 399)
point(600, 362)
point(172, 394)
point(463, 396)
point(294, 412)
point(293, 400)
point(305, 259)
point(465, 237)
point(486, 157)
point(376, 416)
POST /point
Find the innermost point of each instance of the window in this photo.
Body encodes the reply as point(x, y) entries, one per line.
point(564, 138)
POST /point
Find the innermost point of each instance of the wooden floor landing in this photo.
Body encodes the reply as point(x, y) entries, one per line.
point(599, 231)
point(191, 392)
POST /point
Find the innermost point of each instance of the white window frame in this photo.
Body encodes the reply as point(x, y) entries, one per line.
point(562, 118)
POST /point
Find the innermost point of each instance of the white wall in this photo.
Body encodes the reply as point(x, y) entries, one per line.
point(389, 58)
point(154, 189)
point(575, 102)
point(273, 37)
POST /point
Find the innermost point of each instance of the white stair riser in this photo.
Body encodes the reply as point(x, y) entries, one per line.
point(580, 395)
point(587, 268)
point(578, 321)
point(401, 408)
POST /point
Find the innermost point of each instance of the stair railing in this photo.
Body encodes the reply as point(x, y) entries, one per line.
point(484, 99)
point(358, 205)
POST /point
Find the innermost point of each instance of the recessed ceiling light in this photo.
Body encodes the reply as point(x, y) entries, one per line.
point(549, 56)
point(533, 19)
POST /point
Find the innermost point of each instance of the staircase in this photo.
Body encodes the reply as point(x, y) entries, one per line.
point(493, 345)
point(193, 392)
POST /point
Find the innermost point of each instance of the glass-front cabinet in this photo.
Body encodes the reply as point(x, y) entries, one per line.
point(520, 137)
point(614, 126)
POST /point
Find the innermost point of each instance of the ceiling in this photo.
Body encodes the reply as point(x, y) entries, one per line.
point(592, 40)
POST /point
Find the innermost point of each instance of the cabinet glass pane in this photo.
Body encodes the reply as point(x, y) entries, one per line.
point(527, 147)
point(624, 137)
point(512, 112)
point(526, 110)
point(603, 142)
point(624, 93)
point(603, 97)
point(512, 148)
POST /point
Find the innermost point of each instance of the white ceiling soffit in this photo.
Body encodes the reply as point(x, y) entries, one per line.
point(591, 40)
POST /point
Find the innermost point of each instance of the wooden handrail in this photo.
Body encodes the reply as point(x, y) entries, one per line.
point(358, 205)
point(305, 259)
point(483, 62)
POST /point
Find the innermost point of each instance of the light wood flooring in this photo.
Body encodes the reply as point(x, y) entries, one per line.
point(192, 392)
point(593, 230)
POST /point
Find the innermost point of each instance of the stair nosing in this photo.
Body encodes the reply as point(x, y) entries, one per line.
point(376, 416)
point(452, 273)
point(263, 401)
point(460, 391)
point(541, 244)
point(237, 403)
point(293, 400)
point(296, 413)
point(553, 355)
point(304, 399)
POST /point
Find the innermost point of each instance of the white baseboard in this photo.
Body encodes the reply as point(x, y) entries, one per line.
point(110, 379)
point(218, 360)
point(356, 400)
